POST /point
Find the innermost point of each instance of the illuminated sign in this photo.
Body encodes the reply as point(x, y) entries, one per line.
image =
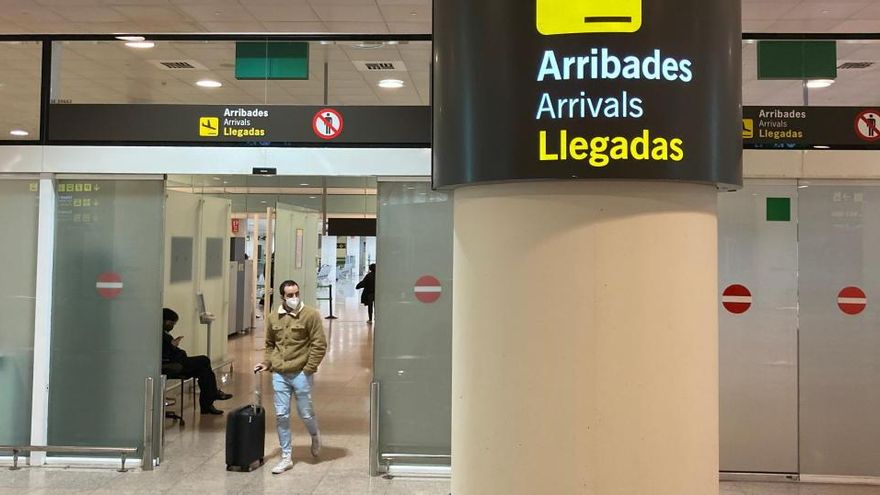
point(588, 16)
point(587, 89)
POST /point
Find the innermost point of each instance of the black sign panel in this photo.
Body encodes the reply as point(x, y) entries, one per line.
point(810, 127)
point(587, 89)
point(364, 227)
point(255, 124)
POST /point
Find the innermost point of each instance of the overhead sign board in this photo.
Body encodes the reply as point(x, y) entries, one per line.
point(587, 89)
point(272, 60)
point(809, 127)
point(797, 59)
point(250, 124)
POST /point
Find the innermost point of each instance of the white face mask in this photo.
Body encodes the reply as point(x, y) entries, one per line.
point(292, 302)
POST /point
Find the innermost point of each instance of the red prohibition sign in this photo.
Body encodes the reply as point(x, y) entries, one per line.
point(328, 123)
point(868, 125)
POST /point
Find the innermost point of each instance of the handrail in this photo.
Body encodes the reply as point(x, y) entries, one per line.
point(16, 449)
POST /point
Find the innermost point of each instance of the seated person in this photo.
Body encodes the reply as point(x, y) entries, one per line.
point(176, 362)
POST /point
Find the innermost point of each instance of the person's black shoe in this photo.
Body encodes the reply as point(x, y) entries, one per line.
point(221, 395)
point(211, 410)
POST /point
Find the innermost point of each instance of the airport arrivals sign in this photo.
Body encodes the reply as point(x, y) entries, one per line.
point(811, 127)
point(587, 89)
point(247, 124)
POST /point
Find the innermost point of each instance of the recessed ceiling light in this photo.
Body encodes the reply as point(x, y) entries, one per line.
point(209, 83)
point(131, 38)
point(140, 44)
point(369, 45)
point(822, 147)
point(391, 83)
point(819, 83)
point(19, 132)
point(313, 197)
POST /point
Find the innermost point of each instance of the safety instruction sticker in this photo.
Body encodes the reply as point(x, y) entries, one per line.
point(588, 16)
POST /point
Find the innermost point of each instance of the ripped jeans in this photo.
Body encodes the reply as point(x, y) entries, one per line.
point(300, 386)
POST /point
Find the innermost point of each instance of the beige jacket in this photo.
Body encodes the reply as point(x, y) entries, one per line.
point(294, 342)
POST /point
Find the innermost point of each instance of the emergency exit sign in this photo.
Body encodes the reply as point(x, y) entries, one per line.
point(272, 60)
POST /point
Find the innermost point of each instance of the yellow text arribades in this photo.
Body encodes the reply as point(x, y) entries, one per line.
point(599, 151)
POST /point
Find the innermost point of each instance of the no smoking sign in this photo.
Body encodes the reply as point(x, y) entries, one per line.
point(868, 125)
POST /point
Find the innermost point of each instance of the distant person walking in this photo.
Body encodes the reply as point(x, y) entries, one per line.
point(368, 296)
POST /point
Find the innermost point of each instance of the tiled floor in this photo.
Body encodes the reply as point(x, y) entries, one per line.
point(195, 455)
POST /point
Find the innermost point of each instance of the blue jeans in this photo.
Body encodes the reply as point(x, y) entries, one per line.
point(300, 385)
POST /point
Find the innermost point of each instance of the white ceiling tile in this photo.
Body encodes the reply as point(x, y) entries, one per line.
point(767, 10)
point(409, 27)
point(180, 26)
point(234, 27)
point(349, 13)
point(65, 3)
point(90, 14)
point(753, 26)
point(871, 11)
point(295, 27)
point(226, 12)
point(825, 10)
point(358, 27)
point(406, 13)
point(858, 26)
point(803, 26)
point(292, 12)
point(30, 14)
point(139, 13)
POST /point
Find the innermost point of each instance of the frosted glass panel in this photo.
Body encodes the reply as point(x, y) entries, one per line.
point(839, 286)
point(106, 325)
point(18, 218)
point(296, 250)
point(413, 333)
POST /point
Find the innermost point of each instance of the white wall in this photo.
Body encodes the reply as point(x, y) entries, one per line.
point(811, 164)
point(198, 217)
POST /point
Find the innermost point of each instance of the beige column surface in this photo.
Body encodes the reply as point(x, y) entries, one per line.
point(585, 336)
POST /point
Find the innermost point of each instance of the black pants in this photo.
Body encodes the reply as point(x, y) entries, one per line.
point(200, 368)
point(370, 309)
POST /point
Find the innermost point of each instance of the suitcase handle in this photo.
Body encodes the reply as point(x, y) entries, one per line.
point(258, 392)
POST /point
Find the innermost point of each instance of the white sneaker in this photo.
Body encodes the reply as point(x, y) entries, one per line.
point(285, 464)
point(316, 445)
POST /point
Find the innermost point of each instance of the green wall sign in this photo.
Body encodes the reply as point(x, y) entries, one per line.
point(797, 60)
point(274, 60)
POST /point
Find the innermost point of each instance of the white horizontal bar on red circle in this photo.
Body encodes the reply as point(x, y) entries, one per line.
point(109, 285)
point(428, 289)
point(851, 300)
point(736, 299)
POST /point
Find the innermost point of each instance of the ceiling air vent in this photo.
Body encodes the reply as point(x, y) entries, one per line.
point(855, 65)
point(380, 66)
point(178, 65)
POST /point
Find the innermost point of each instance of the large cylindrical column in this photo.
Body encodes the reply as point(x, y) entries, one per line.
point(585, 339)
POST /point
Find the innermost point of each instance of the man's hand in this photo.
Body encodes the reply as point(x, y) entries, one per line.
point(260, 367)
point(177, 340)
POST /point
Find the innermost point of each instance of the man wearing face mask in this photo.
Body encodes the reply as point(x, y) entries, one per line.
point(176, 361)
point(295, 347)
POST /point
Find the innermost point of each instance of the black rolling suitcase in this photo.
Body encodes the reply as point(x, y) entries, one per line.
point(246, 435)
